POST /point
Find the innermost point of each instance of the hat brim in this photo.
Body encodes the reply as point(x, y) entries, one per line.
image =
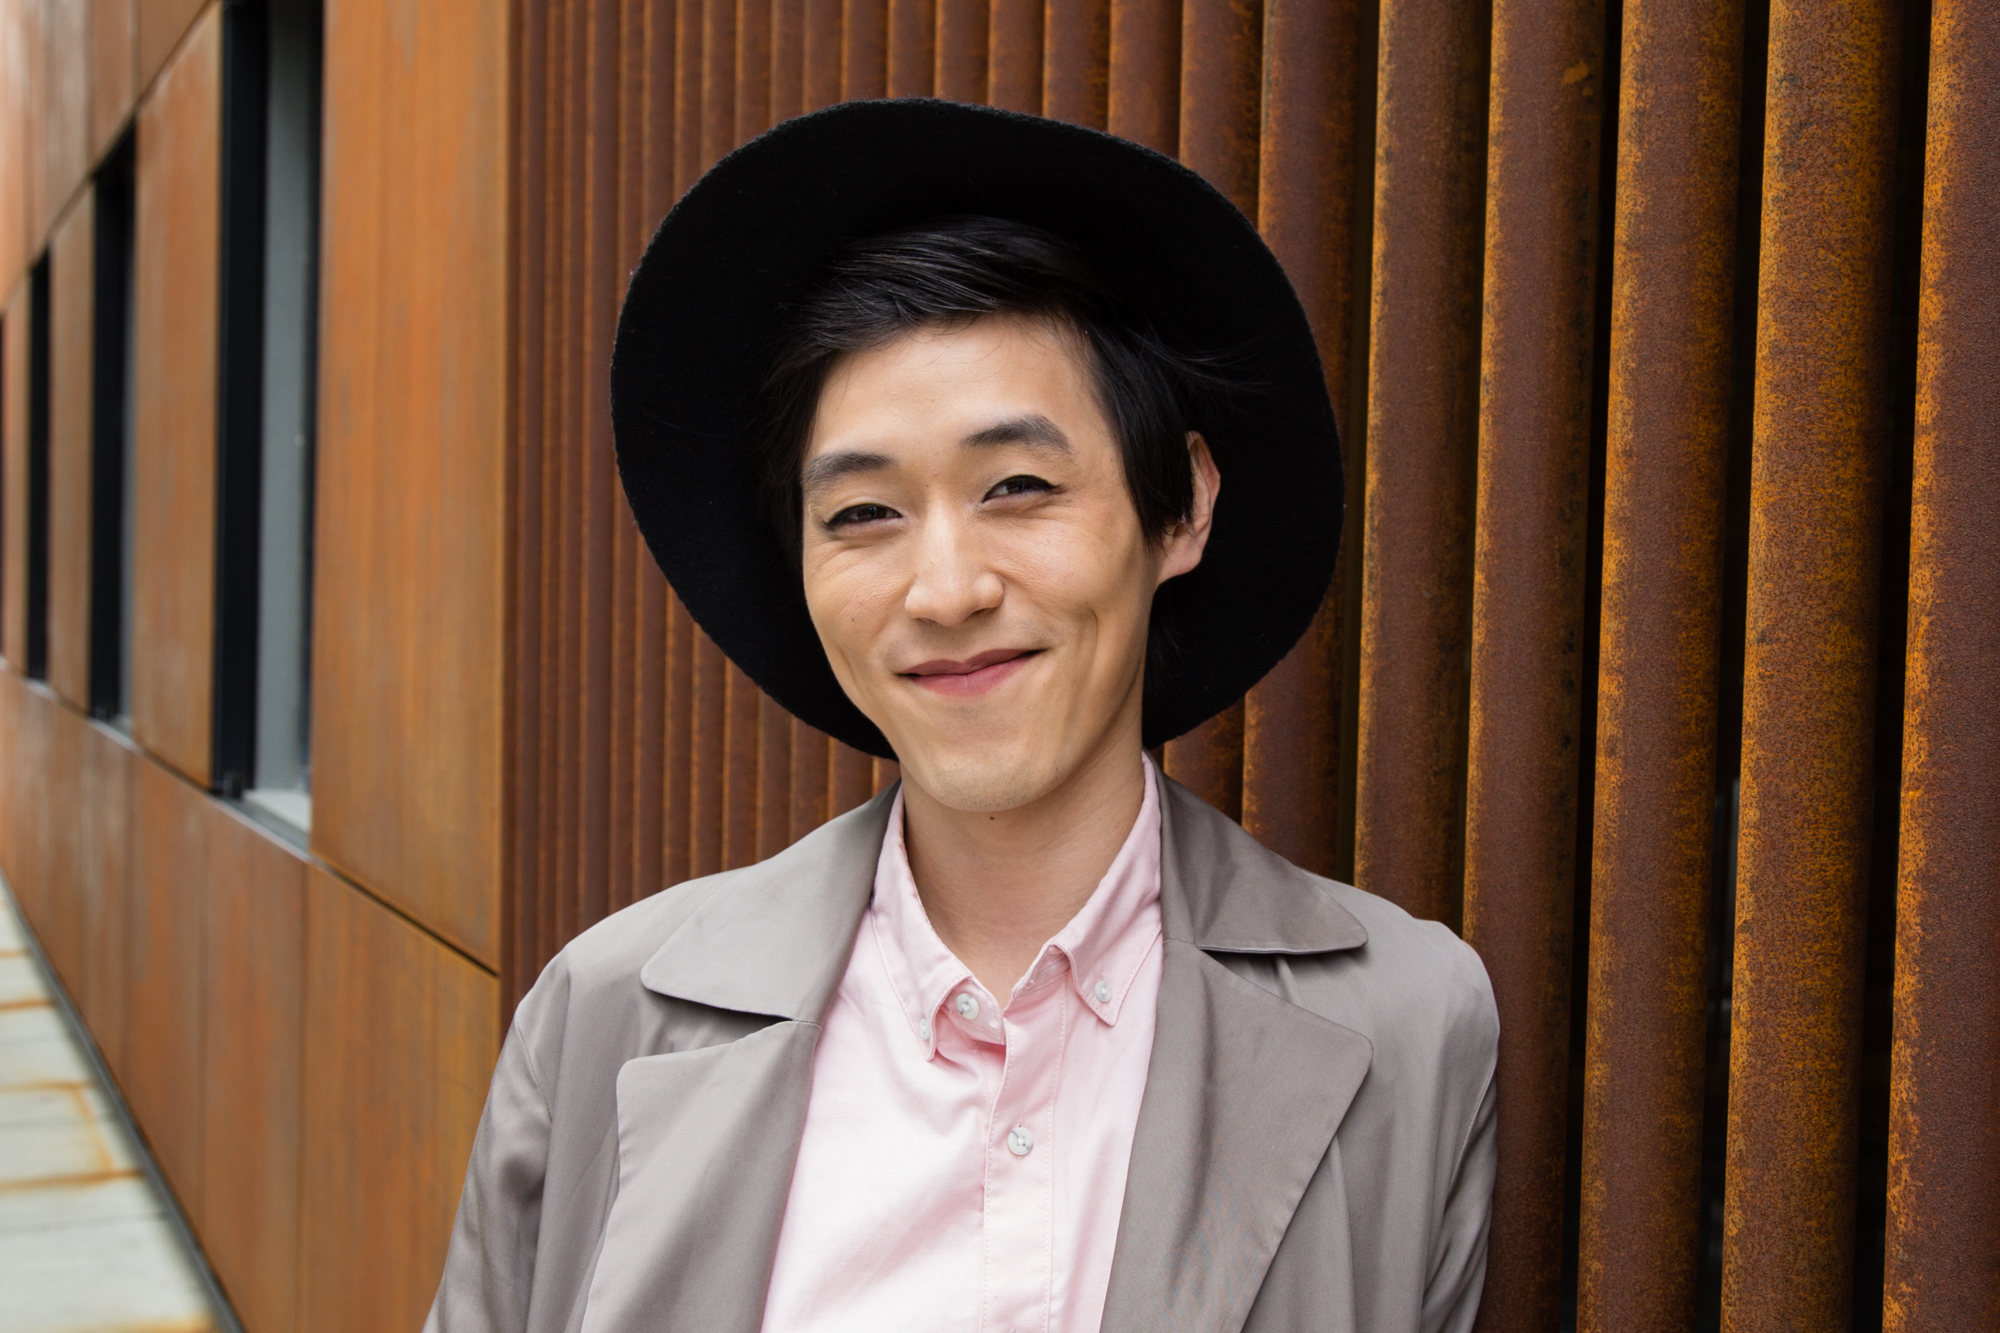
point(758, 231)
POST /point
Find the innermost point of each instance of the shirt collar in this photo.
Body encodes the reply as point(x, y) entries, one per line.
point(1104, 944)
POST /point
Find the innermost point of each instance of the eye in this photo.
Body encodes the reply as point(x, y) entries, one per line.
point(858, 514)
point(1021, 485)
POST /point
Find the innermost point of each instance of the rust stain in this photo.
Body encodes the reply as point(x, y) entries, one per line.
point(69, 1180)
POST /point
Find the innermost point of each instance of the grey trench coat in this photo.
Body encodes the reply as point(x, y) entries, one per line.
point(1314, 1149)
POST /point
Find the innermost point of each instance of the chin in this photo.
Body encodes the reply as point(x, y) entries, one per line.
point(984, 779)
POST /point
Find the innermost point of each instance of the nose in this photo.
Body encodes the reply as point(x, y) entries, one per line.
point(953, 581)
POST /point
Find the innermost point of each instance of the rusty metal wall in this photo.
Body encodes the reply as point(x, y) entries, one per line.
point(1664, 344)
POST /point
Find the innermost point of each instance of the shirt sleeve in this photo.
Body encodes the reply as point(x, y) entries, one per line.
point(1458, 1255)
point(489, 1270)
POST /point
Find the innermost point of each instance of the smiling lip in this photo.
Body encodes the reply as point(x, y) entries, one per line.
point(974, 675)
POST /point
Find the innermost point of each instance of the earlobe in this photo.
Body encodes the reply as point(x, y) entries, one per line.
point(1186, 541)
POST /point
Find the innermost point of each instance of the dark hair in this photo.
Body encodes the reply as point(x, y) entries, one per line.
point(952, 271)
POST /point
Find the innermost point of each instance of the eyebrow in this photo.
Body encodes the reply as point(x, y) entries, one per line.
point(1034, 430)
point(827, 467)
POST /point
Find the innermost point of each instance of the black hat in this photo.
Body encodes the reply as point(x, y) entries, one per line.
point(757, 233)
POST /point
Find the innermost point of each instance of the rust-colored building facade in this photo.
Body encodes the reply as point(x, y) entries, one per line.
point(1664, 663)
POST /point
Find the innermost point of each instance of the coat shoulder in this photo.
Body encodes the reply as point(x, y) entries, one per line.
point(1420, 969)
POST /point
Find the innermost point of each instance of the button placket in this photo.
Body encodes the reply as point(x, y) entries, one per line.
point(1020, 1174)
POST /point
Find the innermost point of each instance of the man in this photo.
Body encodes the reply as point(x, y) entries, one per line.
point(929, 412)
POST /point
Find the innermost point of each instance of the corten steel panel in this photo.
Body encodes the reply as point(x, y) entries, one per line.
point(1672, 299)
point(1523, 764)
point(707, 751)
point(71, 267)
point(864, 48)
point(33, 758)
point(1014, 55)
point(788, 59)
point(753, 70)
point(27, 79)
point(400, 1034)
point(250, 1067)
point(1944, 1156)
point(850, 779)
point(104, 885)
point(1076, 61)
point(962, 27)
point(17, 108)
point(14, 772)
point(523, 944)
point(409, 636)
point(718, 81)
point(1222, 47)
point(114, 32)
point(66, 45)
point(1819, 424)
point(1305, 198)
point(741, 747)
point(15, 333)
point(1143, 80)
point(166, 957)
point(1416, 541)
point(556, 561)
point(688, 93)
point(600, 252)
point(645, 193)
point(912, 59)
point(822, 53)
point(1209, 761)
point(60, 776)
point(173, 405)
point(811, 767)
point(774, 778)
point(567, 294)
point(162, 25)
point(28, 813)
point(677, 785)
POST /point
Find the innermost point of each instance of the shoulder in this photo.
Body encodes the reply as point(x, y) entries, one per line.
point(1413, 978)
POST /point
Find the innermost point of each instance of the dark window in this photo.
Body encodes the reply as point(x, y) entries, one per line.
point(271, 105)
point(37, 648)
point(111, 439)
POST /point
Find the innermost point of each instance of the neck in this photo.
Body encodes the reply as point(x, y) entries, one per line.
point(997, 886)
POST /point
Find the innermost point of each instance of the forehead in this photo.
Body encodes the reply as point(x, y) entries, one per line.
point(961, 378)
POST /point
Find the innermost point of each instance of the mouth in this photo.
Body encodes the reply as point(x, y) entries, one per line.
point(975, 675)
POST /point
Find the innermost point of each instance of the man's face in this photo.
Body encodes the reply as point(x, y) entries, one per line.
point(973, 561)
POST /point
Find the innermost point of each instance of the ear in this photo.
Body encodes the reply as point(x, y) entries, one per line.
point(1181, 550)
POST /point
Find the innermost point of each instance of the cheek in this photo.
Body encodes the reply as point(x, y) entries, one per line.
point(849, 594)
point(1093, 568)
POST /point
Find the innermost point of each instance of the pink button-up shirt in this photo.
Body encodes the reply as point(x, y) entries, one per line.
point(963, 1164)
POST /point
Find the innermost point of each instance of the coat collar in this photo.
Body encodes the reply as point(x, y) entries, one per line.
point(774, 938)
point(1220, 890)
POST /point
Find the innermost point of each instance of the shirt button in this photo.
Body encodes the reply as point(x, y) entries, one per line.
point(1103, 992)
point(1019, 1141)
point(924, 1030)
point(968, 1006)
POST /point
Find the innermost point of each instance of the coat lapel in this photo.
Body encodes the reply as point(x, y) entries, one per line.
point(706, 1143)
point(708, 1137)
point(1245, 1090)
